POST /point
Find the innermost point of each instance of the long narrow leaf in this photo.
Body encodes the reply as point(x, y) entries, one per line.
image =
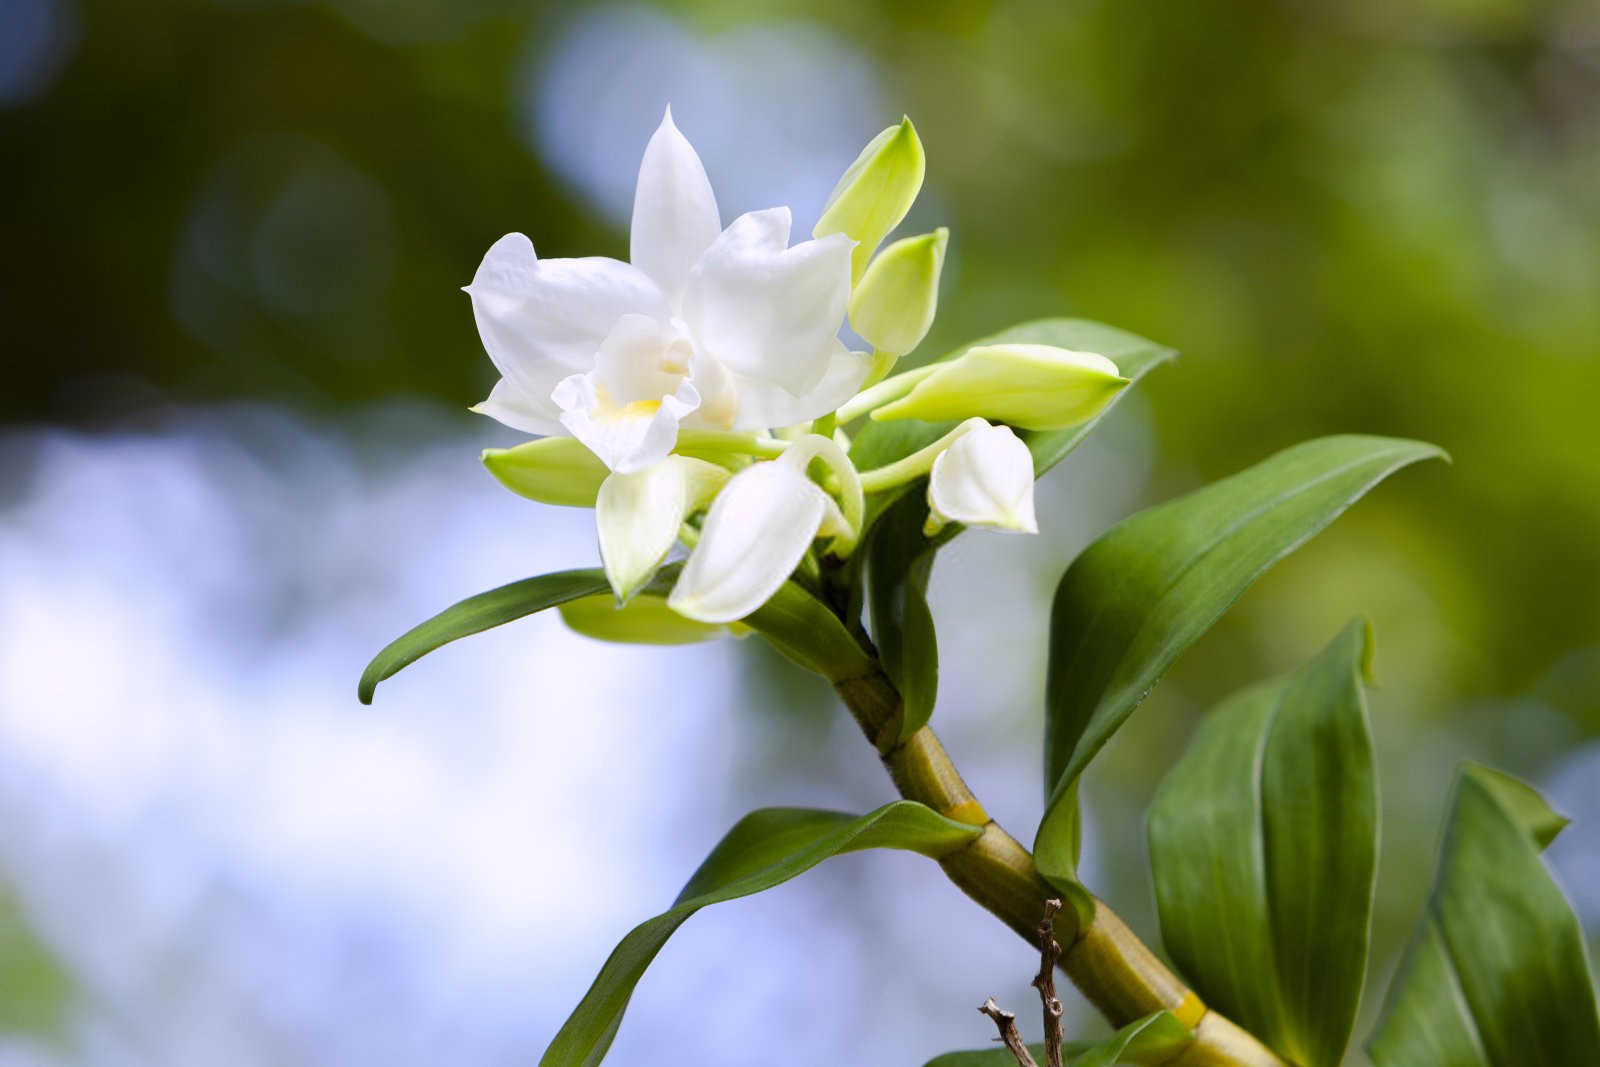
point(797, 623)
point(476, 614)
point(765, 849)
point(1264, 843)
point(1496, 975)
point(1141, 594)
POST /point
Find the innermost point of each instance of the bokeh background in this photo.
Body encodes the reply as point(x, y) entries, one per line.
point(235, 460)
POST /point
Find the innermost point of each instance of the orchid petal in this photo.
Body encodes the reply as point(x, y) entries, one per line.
point(627, 439)
point(984, 479)
point(763, 405)
point(765, 311)
point(640, 361)
point(510, 406)
point(543, 319)
point(674, 211)
point(754, 536)
point(638, 516)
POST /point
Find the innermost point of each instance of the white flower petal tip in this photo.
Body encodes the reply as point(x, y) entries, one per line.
point(755, 535)
point(638, 517)
point(984, 479)
point(510, 406)
point(1035, 387)
point(675, 216)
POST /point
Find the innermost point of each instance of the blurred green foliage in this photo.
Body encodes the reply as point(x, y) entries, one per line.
point(35, 992)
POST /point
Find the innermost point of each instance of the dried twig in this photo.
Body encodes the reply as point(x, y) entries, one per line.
point(1006, 1022)
point(1045, 983)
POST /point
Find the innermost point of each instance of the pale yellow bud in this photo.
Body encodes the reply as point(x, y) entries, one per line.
point(875, 193)
point(894, 304)
point(1034, 387)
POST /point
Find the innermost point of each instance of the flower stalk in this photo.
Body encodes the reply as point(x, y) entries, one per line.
point(1114, 969)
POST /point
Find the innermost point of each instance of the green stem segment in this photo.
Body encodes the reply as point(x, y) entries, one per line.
point(915, 465)
point(883, 392)
point(1113, 968)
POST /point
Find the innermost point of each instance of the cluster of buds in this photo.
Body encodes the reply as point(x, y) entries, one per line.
point(701, 395)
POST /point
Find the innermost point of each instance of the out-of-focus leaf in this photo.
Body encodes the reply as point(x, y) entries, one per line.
point(797, 623)
point(644, 620)
point(1496, 975)
point(1264, 844)
point(765, 849)
point(900, 559)
point(1156, 1038)
point(880, 443)
point(35, 991)
point(1142, 593)
point(551, 470)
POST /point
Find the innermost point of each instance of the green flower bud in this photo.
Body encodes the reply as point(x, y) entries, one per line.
point(551, 470)
point(894, 303)
point(1034, 387)
point(875, 193)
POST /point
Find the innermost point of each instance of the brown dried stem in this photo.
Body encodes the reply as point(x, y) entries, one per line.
point(1045, 983)
point(1006, 1023)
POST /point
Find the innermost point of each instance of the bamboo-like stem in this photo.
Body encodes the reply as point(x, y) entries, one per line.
point(1104, 959)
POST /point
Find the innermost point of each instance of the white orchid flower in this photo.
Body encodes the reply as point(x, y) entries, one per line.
point(985, 478)
point(707, 327)
point(758, 529)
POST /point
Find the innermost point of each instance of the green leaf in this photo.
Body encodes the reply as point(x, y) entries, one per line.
point(765, 849)
point(797, 623)
point(1156, 1038)
point(1264, 845)
point(36, 991)
point(880, 443)
point(900, 559)
point(1141, 594)
point(476, 614)
point(1496, 974)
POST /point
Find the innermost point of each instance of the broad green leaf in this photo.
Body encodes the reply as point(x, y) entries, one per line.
point(765, 849)
point(476, 614)
point(1152, 584)
point(1496, 975)
point(797, 623)
point(1156, 1038)
point(1264, 843)
point(900, 559)
point(880, 443)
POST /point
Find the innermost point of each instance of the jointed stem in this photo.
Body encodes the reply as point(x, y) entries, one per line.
point(1112, 967)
